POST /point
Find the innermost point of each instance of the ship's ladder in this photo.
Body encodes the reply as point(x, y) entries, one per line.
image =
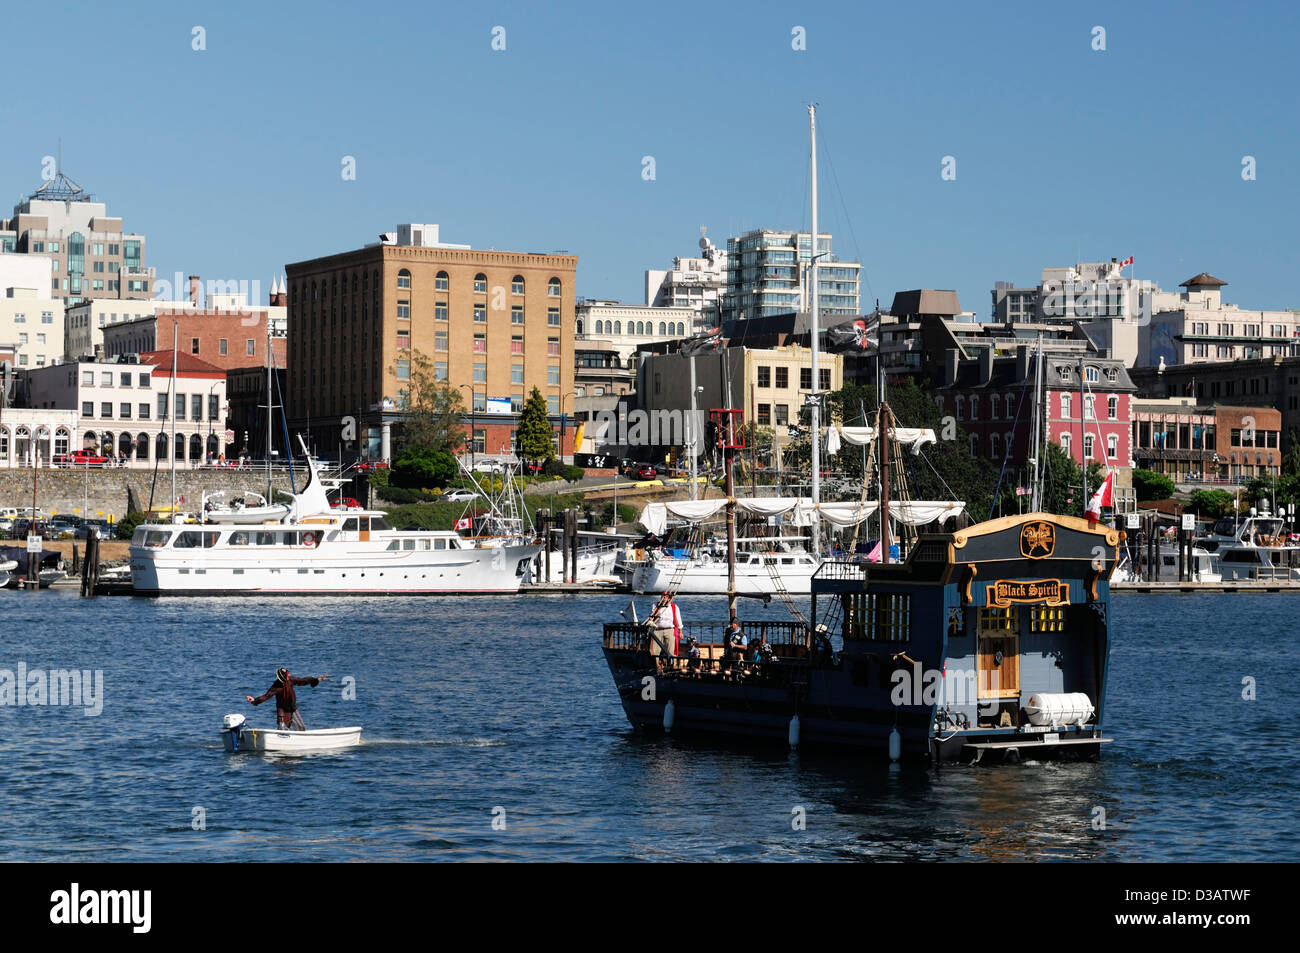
point(780, 589)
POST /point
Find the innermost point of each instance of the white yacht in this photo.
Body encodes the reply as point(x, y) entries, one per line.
point(1253, 547)
point(317, 549)
point(706, 572)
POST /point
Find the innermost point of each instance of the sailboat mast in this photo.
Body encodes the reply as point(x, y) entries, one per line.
point(814, 304)
point(270, 495)
point(1036, 502)
point(884, 483)
point(175, 344)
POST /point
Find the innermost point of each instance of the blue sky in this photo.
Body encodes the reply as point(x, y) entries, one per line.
point(229, 158)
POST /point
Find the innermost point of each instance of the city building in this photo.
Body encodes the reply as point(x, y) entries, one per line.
point(767, 274)
point(1201, 443)
point(31, 321)
point(490, 324)
point(54, 429)
point(991, 398)
point(247, 417)
point(1198, 327)
point(122, 407)
point(89, 256)
point(628, 328)
point(222, 330)
point(695, 283)
point(1261, 382)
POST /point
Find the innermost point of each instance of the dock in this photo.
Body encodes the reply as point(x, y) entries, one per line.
point(1235, 585)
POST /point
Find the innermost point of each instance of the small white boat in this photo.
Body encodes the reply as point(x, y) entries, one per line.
point(239, 736)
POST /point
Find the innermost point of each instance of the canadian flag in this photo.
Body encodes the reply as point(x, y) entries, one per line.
point(1126, 261)
point(1101, 498)
point(463, 523)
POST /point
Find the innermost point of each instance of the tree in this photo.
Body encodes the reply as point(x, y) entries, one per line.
point(1212, 503)
point(1152, 486)
point(421, 468)
point(533, 440)
point(434, 423)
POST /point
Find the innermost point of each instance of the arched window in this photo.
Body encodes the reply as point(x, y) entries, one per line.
point(480, 284)
point(161, 444)
point(1065, 407)
point(403, 279)
point(618, 327)
point(1112, 407)
point(23, 446)
point(553, 288)
point(89, 441)
point(1112, 446)
point(994, 448)
point(681, 328)
point(124, 445)
point(196, 447)
point(105, 444)
point(441, 281)
point(640, 327)
point(580, 326)
point(178, 451)
point(61, 440)
point(517, 285)
point(213, 445)
point(974, 407)
point(142, 447)
point(663, 328)
point(993, 407)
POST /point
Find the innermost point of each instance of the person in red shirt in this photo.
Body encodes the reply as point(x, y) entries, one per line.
point(286, 700)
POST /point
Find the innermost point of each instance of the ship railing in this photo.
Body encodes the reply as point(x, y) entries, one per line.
point(711, 635)
point(842, 569)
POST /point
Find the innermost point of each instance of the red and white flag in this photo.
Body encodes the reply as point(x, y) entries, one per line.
point(1126, 261)
point(1105, 493)
point(463, 523)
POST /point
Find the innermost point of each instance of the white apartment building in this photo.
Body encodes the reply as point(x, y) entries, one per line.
point(695, 283)
point(31, 322)
point(1198, 327)
point(628, 327)
point(123, 407)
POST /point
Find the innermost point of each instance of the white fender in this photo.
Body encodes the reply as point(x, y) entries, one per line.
point(895, 745)
point(670, 715)
point(794, 731)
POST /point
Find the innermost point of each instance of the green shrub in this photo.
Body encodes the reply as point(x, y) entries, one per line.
point(125, 527)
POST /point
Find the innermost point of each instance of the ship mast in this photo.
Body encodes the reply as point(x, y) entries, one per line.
point(1036, 500)
point(814, 400)
point(884, 484)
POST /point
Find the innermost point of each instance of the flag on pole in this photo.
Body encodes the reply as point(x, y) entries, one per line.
point(1103, 497)
point(463, 523)
point(1126, 261)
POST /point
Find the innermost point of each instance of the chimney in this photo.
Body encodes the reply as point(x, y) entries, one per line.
point(986, 365)
point(950, 367)
point(194, 290)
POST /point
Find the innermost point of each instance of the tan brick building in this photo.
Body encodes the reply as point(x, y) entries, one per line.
point(492, 325)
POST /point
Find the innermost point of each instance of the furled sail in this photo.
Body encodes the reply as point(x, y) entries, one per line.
point(654, 516)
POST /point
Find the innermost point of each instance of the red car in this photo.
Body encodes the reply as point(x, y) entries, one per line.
point(646, 471)
point(365, 466)
point(80, 458)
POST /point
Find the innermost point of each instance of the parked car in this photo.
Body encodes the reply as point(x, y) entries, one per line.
point(25, 527)
point(81, 458)
point(459, 496)
point(99, 528)
point(645, 471)
point(366, 466)
point(61, 529)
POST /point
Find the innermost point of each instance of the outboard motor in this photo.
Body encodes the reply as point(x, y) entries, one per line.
point(233, 724)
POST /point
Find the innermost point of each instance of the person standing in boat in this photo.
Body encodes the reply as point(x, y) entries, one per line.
point(666, 620)
point(286, 700)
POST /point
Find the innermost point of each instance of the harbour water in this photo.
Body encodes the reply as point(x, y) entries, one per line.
point(486, 710)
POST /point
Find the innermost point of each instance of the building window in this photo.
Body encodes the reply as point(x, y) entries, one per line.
point(222, 347)
point(1087, 446)
point(516, 407)
point(1112, 407)
point(781, 414)
point(480, 373)
point(124, 411)
point(440, 281)
point(974, 445)
point(196, 406)
point(480, 284)
point(480, 313)
point(553, 375)
point(404, 309)
point(516, 315)
point(553, 407)
point(403, 279)
point(404, 340)
point(478, 401)
point(87, 408)
point(994, 448)
point(480, 344)
point(805, 378)
point(553, 347)
point(439, 341)
point(162, 406)
point(251, 345)
point(553, 288)
point(1112, 446)
point(517, 345)
point(440, 311)
point(974, 407)
point(440, 371)
point(783, 377)
point(517, 285)
point(961, 406)
point(403, 370)
point(553, 317)
point(105, 409)
point(765, 415)
point(1065, 405)
point(516, 373)
point(143, 411)
point(824, 374)
point(88, 378)
point(993, 407)
point(764, 376)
